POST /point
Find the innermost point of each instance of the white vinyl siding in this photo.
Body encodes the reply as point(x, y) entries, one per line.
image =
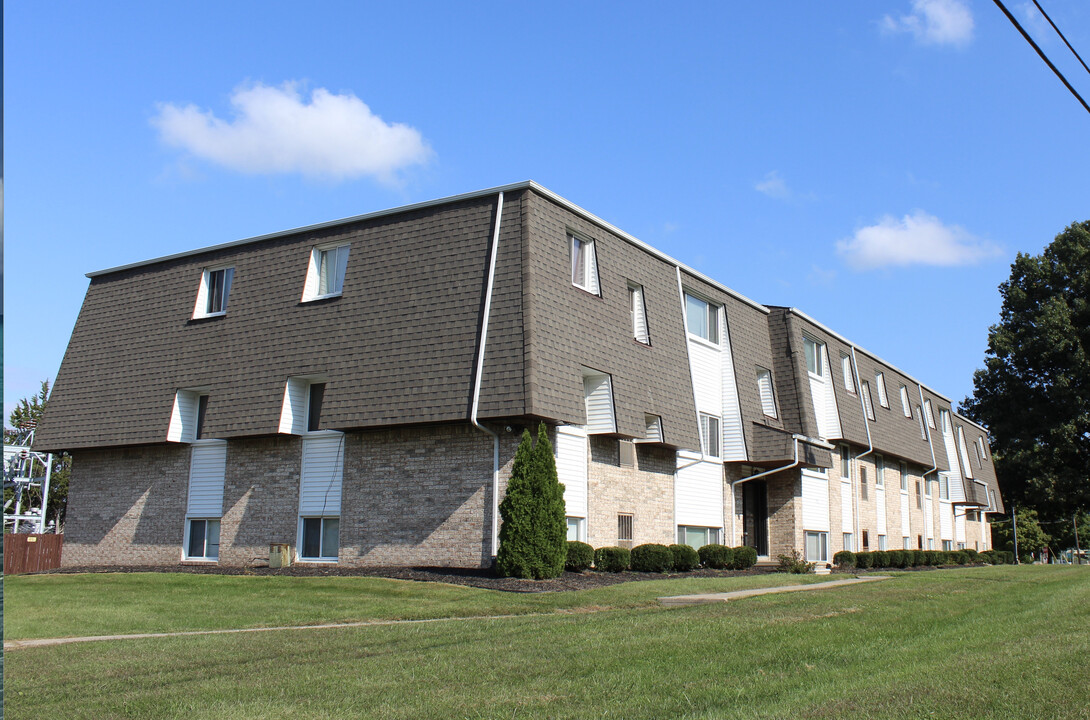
point(639, 315)
point(906, 407)
point(584, 264)
point(904, 514)
point(847, 516)
point(598, 395)
point(698, 492)
point(949, 442)
point(815, 501)
point(714, 385)
point(946, 521)
point(320, 479)
point(571, 469)
point(764, 389)
point(213, 292)
point(823, 396)
point(207, 468)
point(880, 383)
point(293, 411)
point(880, 509)
point(325, 272)
point(959, 525)
point(183, 417)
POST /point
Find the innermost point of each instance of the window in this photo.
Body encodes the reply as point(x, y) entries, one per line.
point(904, 477)
point(881, 542)
point(697, 537)
point(709, 435)
point(867, 405)
point(301, 410)
point(764, 389)
point(906, 408)
point(325, 275)
point(202, 409)
point(813, 350)
point(849, 374)
point(817, 546)
point(947, 545)
point(866, 540)
point(863, 481)
point(930, 543)
point(981, 452)
point(919, 500)
point(702, 318)
point(961, 546)
point(845, 463)
point(315, 396)
point(639, 315)
point(919, 542)
point(907, 542)
point(930, 414)
point(848, 542)
point(879, 471)
point(320, 538)
point(944, 487)
point(213, 292)
point(919, 417)
point(944, 416)
point(598, 401)
point(653, 425)
point(880, 383)
point(204, 540)
point(584, 265)
point(577, 529)
point(187, 416)
point(927, 487)
point(624, 530)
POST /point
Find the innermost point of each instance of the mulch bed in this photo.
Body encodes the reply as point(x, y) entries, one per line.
point(482, 578)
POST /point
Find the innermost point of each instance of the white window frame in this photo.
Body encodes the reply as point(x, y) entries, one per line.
point(312, 288)
point(849, 542)
point(638, 297)
point(879, 471)
point(814, 349)
point(845, 463)
point(944, 417)
point(652, 428)
point(947, 545)
point(322, 555)
point(710, 432)
point(848, 372)
point(766, 391)
point(202, 308)
point(919, 417)
point(930, 414)
point(944, 487)
point(906, 406)
point(880, 383)
point(205, 557)
point(881, 542)
point(711, 318)
point(868, 403)
point(904, 477)
point(711, 535)
point(586, 278)
point(822, 540)
point(579, 525)
point(906, 542)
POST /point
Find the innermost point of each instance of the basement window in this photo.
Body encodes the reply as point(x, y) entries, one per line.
point(203, 539)
point(697, 537)
point(319, 538)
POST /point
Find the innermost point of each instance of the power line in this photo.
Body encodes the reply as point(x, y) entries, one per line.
point(1048, 62)
point(1073, 52)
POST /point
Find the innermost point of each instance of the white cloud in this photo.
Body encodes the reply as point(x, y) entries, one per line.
point(935, 22)
point(773, 186)
point(275, 130)
point(918, 239)
point(1038, 26)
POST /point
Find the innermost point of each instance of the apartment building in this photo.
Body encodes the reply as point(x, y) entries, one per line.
point(356, 390)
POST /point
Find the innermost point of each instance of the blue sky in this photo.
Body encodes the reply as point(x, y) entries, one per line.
point(877, 165)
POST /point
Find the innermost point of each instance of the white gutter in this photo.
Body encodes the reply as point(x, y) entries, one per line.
point(477, 379)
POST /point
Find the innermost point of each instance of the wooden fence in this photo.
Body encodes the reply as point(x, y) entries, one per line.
point(24, 553)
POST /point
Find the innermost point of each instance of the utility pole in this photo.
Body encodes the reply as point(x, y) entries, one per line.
point(1014, 532)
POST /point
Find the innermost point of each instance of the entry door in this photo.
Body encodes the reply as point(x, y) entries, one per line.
point(755, 515)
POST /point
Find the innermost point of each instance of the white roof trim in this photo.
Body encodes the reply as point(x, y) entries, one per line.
point(524, 185)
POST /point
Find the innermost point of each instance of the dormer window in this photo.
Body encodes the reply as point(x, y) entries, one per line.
point(639, 315)
point(813, 349)
point(764, 389)
point(702, 318)
point(325, 275)
point(584, 264)
point(213, 292)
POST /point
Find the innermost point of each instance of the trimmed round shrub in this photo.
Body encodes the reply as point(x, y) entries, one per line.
point(716, 556)
point(580, 556)
point(959, 557)
point(973, 555)
point(881, 559)
point(745, 557)
point(685, 557)
point(652, 557)
point(933, 558)
point(864, 560)
point(919, 557)
point(612, 559)
point(896, 559)
point(844, 559)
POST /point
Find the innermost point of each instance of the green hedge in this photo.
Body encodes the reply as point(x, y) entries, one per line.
point(580, 556)
point(612, 559)
point(880, 559)
point(652, 557)
point(864, 560)
point(716, 556)
point(844, 559)
point(919, 557)
point(685, 557)
point(745, 557)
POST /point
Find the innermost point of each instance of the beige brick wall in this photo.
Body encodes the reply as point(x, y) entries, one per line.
point(646, 491)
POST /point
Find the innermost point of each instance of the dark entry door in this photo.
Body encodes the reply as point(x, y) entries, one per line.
point(755, 515)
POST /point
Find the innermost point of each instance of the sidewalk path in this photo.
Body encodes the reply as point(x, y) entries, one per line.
point(704, 599)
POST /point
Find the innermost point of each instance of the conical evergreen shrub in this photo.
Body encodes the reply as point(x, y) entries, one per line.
point(533, 536)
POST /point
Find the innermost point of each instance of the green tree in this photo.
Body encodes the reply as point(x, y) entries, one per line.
point(1031, 537)
point(534, 530)
point(1033, 393)
point(26, 415)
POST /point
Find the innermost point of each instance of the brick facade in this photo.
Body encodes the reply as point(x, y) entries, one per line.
point(646, 491)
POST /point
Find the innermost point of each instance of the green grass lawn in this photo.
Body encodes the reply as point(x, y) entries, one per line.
point(967, 643)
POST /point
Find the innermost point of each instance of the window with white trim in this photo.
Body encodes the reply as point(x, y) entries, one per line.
point(204, 499)
point(906, 542)
point(625, 523)
point(584, 264)
point(697, 537)
point(325, 274)
point(845, 463)
point(930, 543)
point(213, 292)
point(947, 545)
point(881, 542)
point(813, 350)
point(919, 418)
point(927, 490)
point(930, 414)
point(817, 546)
point(849, 542)
point(577, 529)
point(944, 416)
point(187, 416)
point(320, 485)
point(919, 497)
point(867, 404)
point(764, 389)
point(301, 410)
point(203, 539)
point(652, 428)
point(863, 492)
point(709, 435)
point(944, 487)
point(848, 372)
point(879, 471)
point(880, 383)
point(904, 477)
point(702, 318)
point(639, 314)
point(906, 408)
point(319, 538)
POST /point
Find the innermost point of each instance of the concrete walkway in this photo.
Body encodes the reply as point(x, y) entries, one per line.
point(706, 598)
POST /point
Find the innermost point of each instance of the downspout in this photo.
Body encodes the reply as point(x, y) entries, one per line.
point(870, 448)
point(479, 373)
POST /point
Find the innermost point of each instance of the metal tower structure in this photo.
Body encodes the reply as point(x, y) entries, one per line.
point(27, 473)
